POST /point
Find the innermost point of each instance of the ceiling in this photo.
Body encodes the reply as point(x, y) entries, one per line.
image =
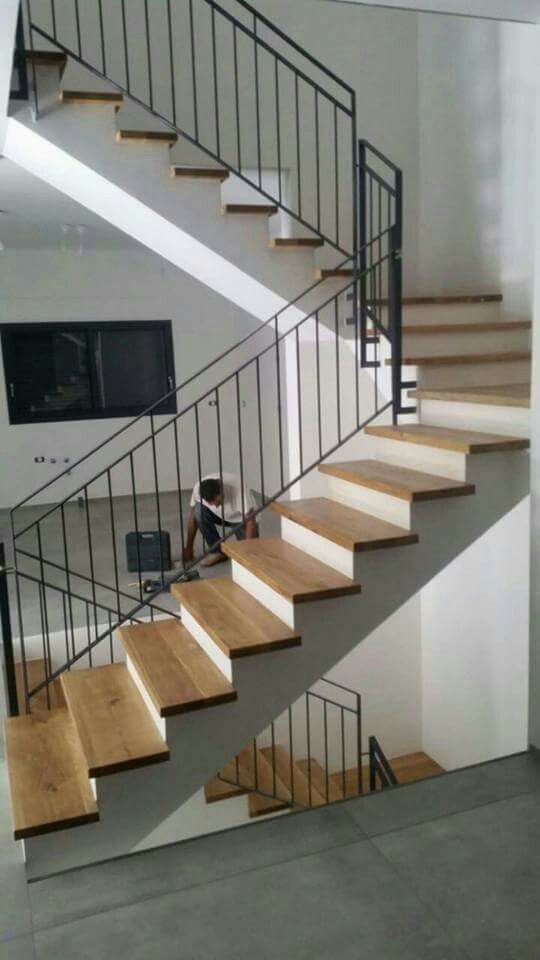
point(35, 216)
point(525, 11)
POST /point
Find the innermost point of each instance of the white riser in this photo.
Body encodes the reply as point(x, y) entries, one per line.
point(442, 463)
point(511, 421)
point(370, 501)
point(319, 547)
point(470, 375)
point(430, 345)
point(457, 313)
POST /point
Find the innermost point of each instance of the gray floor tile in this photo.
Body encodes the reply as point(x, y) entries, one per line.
point(22, 948)
point(346, 903)
point(441, 796)
point(124, 881)
point(15, 917)
point(479, 873)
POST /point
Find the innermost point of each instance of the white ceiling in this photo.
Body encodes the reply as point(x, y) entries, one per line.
point(34, 214)
point(526, 11)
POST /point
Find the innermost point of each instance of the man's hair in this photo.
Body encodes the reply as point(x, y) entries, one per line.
point(210, 489)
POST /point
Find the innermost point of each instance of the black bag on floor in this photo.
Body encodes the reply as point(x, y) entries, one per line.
point(148, 551)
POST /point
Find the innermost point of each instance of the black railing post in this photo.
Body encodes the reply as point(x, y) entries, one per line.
point(360, 289)
point(395, 297)
point(372, 766)
point(19, 62)
point(10, 676)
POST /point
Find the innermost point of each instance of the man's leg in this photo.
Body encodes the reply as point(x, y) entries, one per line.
point(210, 528)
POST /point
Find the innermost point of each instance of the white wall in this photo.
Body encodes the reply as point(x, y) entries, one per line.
point(527, 10)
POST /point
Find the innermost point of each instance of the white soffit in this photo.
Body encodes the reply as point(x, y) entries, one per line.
point(522, 11)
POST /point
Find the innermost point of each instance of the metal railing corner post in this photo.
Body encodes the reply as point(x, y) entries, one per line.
point(10, 675)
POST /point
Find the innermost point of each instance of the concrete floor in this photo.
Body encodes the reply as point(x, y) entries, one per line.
point(439, 870)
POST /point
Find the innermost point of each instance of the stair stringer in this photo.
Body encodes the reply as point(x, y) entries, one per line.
point(143, 808)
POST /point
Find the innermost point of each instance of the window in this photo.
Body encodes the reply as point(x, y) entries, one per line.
point(78, 371)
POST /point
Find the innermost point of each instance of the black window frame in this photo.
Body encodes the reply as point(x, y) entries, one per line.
point(93, 327)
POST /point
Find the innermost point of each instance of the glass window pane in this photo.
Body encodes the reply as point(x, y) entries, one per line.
point(131, 368)
point(49, 373)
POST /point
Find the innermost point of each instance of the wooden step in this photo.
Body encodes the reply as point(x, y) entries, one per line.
point(36, 674)
point(146, 136)
point(488, 326)
point(301, 793)
point(218, 789)
point(115, 728)
point(177, 673)
point(48, 777)
point(405, 484)
point(256, 772)
point(465, 359)
point(328, 274)
point(258, 805)
point(288, 243)
point(239, 624)
point(446, 438)
point(200, 173)
point(265, 209)
point(290, 572)
point(343, 525)
point(47, 58)
point(313, 770)
point(446, 300)
point(501, 395)
point(89, 96)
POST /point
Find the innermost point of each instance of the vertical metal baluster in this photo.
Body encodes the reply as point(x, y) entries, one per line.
point(237, 766)
point(199, 465)
point(216, 91)
point(237, 99)
point(291, 753)
point(278, 378)
point(136, 523)
point(32, 54)
point(78, 24)
point(88, 635)
point(220, 450)
point(278, 129)
point(91, 557)
point(318, 358)
point(338, 374)
point(113, 537)
point(372, 292)
point(44, 616)
point(273, 736)
point(111, 647)
point(193, 72)
point(298, 156)
point(64, 612)
point(327, 783)
point(343, 760)
point(21, 629)
point(299, 401)
point(178, 478)
point(53, 18)
point(362, 258)
point(7, 640)
point(68, 578)
point(379, 258)
point(240, 451)
point(257, 98)
point(359, 740)
point(259, 418)
point(126, 51)
point(158, 501)
point(317, 161)
point(255, 764)
point(171, 62)
point(308, 730)
point(102, 38)
point(336, 174)
point(148, 57)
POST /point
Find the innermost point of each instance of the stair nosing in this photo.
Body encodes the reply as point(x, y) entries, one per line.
point(468, 359)
point(457, 488)
point(403, 434)
point(407, 538)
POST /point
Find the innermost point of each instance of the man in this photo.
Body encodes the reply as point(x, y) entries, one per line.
point(214, 510)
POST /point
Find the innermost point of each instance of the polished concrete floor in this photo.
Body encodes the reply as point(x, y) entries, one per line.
point(444, 869)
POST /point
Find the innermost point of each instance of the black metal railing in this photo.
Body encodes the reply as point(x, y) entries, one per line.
point(273, 405)
point(381, 775)
point(19, 82)
point(229, 81)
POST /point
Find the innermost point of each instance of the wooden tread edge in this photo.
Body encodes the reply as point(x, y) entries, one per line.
point(89, 96)
point(460, 441)
point(199, 173)
point(267, 209)
point(288, 243)
point(489, 396)
point(146, 136)
point(467, 359)
point(390, 535)
point(436, 488)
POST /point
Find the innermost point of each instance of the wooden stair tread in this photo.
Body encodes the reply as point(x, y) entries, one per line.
point(46, 58)
point(299, 788)
point(313, 770)
point(258, 805)
point(200, 173)
point(400, 482)
point(292, 242)
point(217, 789)
point(262, 776)
point(36, 674)
point(146, 136)
point(89, 96)
point(114, 726)
point(502, 395)
point(239, 624)
point(447, 300)
point(487, 326)
point(328, 274)
point(290, 572)
point(349, 528)
point(446, 438)
point(267, 209)
point(465, 359)
point(177, 673)
point(48, 777)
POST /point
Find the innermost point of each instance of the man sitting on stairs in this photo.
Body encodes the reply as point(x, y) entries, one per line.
point(215, 508)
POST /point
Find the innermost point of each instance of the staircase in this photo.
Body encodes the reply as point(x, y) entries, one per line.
point(152, 696)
